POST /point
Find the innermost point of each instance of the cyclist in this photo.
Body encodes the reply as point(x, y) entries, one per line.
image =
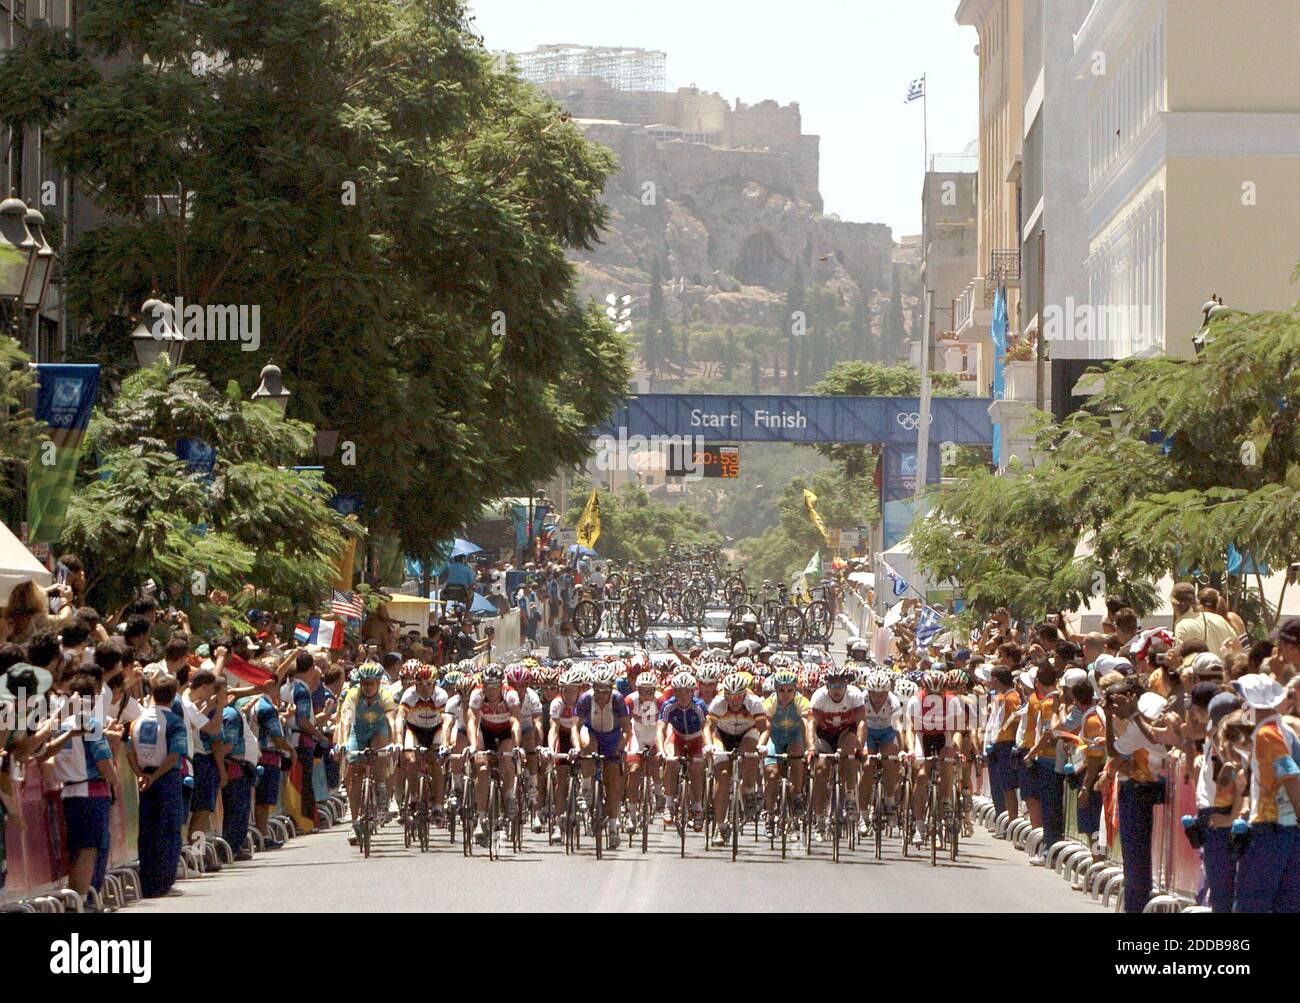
point(789, 723)
point(932, 714)
point(493, 724)
point(368, 723)
point(420, 725)
point(563, 737)
point(736, 719)
point(519, 676)
point(810, 679)
point(708, 675)
point(882, 710)
point(838, 726)
point(643, 707)
point(606, 726)
point(684, 714)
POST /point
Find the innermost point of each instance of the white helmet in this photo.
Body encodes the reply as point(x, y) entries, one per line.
point(905, 688)
point(879, 682)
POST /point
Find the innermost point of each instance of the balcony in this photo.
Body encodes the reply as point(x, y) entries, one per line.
point(974, 309)
point(1004, 270)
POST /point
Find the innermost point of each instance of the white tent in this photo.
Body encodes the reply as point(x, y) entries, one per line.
point(899, 557)
point(18, 565)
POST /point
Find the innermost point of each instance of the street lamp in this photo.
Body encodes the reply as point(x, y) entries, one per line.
point(17, 254)
point(42, 262)
point(156, 336)
point(1117, 414)
point(1212, 311)
point(271, 390)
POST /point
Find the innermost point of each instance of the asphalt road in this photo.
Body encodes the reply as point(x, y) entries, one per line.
point(322, 873)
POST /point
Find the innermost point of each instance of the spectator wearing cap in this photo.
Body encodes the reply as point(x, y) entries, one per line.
point(1042, 759)
point(1287, 637)
point(1026, 730)
point(1220, 785)
point(1268, 875)
point(85, 768)
point(155, 751)
point(1196, 616)
point(1134, 761)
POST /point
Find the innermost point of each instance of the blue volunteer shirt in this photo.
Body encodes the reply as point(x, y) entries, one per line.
point(232, 732)
point(268, 724)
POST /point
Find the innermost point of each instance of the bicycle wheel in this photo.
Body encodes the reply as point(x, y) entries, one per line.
point(783, 816)
point(683, 795)
point(692, 607)
point(494, 813)
point(647, 806)
point(788, 623)
point(425, 809)
point(551, 781)
point(586, 619)
point(708, 809)
point(736, 811)
point(408, 826)
point(818, 623)
point(598, 814)
point(935, 821)
point(878, 810)
point(653, 601)
point(836, 785)
point(954, 828)
point(633, 620)
point(516, 821)
point(905, 808)
point(367, 816)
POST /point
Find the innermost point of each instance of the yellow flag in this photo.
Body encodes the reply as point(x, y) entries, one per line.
point(589, 523)
point(810, 503)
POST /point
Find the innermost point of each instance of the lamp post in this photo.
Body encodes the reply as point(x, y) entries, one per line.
point(18, 250)
point(1116, 415)
point(271, 390)
point(1212, 311)
point(157, 336)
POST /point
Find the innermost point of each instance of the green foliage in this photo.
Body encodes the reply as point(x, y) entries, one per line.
point(19, 431)
point(1207, 456)
point(470, 187)
point(136, 515)
point(636, 527)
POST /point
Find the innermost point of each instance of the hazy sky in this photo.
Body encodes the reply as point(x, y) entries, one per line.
point(847, 63)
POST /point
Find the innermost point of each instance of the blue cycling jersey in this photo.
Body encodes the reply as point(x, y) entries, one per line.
point(684, 719)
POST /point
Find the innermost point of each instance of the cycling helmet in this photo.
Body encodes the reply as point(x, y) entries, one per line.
point(736, 682)
point(423, 674)
point(784, 677)
point(494, 673)
point(841, 674)
point(603, 676)
point(647, 679)
point(859, 648)
point(452, 679)
point(370, 672)
point(879, 682)
point(811, 678)
point(914, 676)
point(749, 619)
point(955, 679)
point(392, 659)
point(765, 652)
point(354, 676)
point(779, 661)
point(683, 681)
point(709, 672)
point(573, 677)
point(933, 681)
point(519, 675)
point(547, 676)
point(744, 664)
point(620, 669)
point(905, 688)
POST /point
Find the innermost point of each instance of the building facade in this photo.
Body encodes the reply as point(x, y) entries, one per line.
point(1193, 164)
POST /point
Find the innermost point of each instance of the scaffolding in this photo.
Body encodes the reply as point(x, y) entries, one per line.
point(623, 69)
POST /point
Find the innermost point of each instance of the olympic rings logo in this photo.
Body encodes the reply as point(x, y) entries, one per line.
point(908, 422)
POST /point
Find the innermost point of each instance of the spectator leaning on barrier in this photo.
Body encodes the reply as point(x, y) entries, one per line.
point(203, 701)
point(236, 774)
point(156, 749)
point(85, 768)
point(999, 736)
point(1268, 875)
point(273, 750)
point(1041, 759)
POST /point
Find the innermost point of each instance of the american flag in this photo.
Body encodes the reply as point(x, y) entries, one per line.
point(915, 90)
point(344, 603)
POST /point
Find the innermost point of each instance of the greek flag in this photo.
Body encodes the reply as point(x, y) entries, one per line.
point(927, 625)
point(900, 585)
point(915, 90)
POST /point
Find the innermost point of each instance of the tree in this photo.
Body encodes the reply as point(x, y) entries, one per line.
point(872, 379)
point(635, 527)
point(144, 513)
point(19, 431)
point(396, 205)
point(656, 317)
point(1206, 458)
